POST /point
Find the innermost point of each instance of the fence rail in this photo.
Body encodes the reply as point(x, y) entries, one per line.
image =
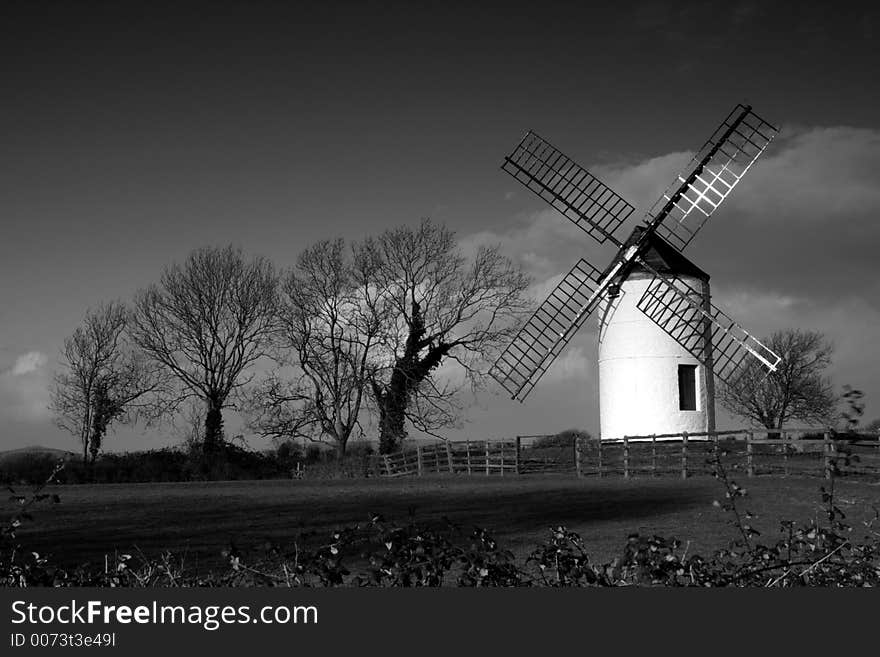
point(786, 452)
point(454, 457)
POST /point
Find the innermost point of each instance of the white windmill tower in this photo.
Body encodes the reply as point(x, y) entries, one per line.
point(662, 343)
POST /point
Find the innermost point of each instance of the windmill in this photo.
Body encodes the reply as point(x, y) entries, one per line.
point(662, 343)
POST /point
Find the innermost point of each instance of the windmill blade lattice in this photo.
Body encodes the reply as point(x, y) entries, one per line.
point(674, 305)
point(677, 307)
point(715, 170)
point(568, 187)
point(548, 330)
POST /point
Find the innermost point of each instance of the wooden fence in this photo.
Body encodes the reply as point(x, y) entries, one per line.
point(454, 457)
point(786, 452)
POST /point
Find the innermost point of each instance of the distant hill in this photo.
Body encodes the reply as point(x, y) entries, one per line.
point(34, 450)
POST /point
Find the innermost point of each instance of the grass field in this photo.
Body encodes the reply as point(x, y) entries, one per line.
point(203, 518)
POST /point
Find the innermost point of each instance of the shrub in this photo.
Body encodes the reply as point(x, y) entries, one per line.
point(314, 454)
point(27, 469)
point(167, 464)
point(562, 439)
point(289, 452)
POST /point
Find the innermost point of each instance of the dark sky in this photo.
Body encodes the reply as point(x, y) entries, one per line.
point(132, 136)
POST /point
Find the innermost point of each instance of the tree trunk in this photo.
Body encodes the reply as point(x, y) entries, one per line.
point(341, 436)
point(213, 429)
point(84, 434)
point(99, 425)
point(104, 411)
point(410, 370)
point(95, 446)
point(392, 428)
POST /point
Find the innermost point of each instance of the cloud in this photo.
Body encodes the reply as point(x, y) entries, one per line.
point(642, 183)
point(576, 363)
point(755, 304)
point(29, 362)
point(803, 223)
point(815, 175)
point(795, 245)
point(24, 389)
point(545, 243)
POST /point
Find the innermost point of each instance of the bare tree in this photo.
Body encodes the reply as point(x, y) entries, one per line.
point(103, 380)
point(797, 390)
point(330, 318)
point(443, 307)
point(207, 321)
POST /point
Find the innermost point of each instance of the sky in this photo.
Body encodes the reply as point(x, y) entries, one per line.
point(131, 136)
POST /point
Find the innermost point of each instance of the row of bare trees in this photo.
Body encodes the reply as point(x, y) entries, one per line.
point(364, 328)
point(390, 328)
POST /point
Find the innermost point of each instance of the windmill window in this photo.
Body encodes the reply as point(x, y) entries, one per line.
point(687, 387)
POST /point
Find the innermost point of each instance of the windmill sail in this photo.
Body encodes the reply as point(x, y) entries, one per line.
point(715, 170)
point(674, 305)
point(568, 187)
point(548, 330)
point(705, 331)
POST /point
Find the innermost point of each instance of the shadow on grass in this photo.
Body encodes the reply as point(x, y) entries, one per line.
point(189, 520)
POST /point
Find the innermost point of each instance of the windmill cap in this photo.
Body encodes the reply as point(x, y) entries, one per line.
point(660, 255)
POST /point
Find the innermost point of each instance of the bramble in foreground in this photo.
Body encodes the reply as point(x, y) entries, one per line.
point(380, 553)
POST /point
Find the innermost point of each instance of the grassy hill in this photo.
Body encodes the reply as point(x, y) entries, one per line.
point(12, 455)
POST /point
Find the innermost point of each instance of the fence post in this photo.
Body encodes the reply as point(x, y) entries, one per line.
point(834, 465)
point(599, 455)
point(449, 457)
point(826, 444)
point(467, 446)
point(419, 457)
point(716, 454)
point(626, 457)
point(501, 447)
point(684, 455)
point(577, 455)
point(487, 458)
point(653, 454)
point(750, 465)
point(784, 436)
point(387, 464)
point(516, 456)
